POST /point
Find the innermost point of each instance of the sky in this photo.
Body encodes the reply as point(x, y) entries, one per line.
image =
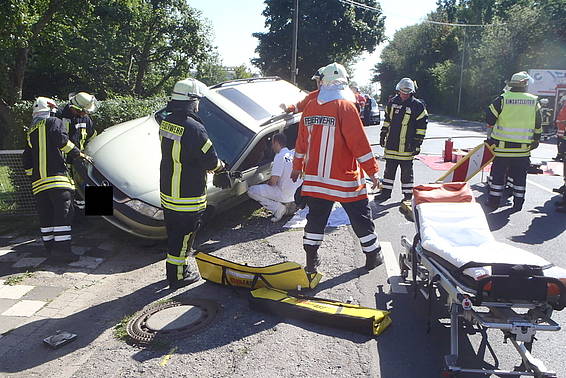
point(234, 21)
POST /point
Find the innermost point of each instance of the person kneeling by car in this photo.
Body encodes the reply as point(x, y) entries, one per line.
point(277, 194)
point(187, 154)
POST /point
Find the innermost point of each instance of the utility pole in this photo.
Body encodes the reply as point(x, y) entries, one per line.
point(462, 71)
point(295, 37)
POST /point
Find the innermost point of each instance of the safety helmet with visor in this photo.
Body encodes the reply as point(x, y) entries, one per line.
point(84, 102)
point(520, 79)
point(334, 73)
point(188, 90)
point(43, 104)
point(405, 85)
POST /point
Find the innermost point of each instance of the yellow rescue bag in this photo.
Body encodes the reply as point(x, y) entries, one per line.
point(324, 311)
point(287, 275)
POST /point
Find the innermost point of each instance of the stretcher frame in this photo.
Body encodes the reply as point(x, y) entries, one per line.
point(464, 302)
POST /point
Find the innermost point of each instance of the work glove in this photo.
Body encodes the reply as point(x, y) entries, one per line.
point(86, 157)
point(417, 150)
point(490, 141)
point(221, 179)
point(534, 144)
point(382, 141)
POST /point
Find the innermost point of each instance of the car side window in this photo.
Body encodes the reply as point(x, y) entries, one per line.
point(260, 154)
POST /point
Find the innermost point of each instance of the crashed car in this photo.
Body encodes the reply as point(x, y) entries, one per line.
point(240, 117)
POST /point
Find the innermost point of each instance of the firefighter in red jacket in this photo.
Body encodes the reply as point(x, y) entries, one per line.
point(330, 152)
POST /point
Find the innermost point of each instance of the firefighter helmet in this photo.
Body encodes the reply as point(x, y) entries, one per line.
point(84, 102)
point(334, 72)
point(405, 85)
point(188, 90)
point(317, 74)
point(43, 104)
point(544, 101)
point(520, 79)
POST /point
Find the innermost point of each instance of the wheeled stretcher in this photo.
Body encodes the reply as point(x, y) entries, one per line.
point(487, 283)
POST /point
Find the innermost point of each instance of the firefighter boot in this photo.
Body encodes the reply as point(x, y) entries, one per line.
point(180, 276)
point(313, 261)
point(374, 259)
point(384, 195)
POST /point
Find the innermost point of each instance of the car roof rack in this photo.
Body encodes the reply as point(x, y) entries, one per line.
point(248, 80)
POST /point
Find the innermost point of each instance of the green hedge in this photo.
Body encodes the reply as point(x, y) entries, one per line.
point(109, 113)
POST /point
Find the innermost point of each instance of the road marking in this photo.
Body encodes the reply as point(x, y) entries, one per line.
point(167, 357)
point(392, 269)
point(541, 187)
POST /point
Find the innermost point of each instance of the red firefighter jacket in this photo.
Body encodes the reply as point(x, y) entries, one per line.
point(331, 150)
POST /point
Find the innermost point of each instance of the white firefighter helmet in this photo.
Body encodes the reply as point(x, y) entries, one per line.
point(334, 72)
point(317, 74)
point(405, 85)
point(544, 101)
point(84, 102)
point(188, 90)
point(520, 79)
point(43, 104)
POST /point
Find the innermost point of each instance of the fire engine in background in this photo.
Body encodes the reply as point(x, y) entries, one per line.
point(550, 85)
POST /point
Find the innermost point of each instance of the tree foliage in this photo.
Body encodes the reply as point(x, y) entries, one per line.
point(524, 34)
point(330, 32)
point(108, 47)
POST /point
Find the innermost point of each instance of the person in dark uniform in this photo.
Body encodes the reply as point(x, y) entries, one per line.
point(43, 160)
point(402, 133)
point(76, 119)
point(187, 154)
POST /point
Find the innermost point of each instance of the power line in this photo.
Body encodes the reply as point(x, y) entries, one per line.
point(461, 25)
point(360, 5)
point(373, 9)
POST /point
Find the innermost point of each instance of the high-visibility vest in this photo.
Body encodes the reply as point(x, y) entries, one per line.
point(515, 126)
point(516, 122)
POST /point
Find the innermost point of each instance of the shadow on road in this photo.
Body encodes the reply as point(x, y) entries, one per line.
point(547, 226)
point(88, 324)
point(407, 350)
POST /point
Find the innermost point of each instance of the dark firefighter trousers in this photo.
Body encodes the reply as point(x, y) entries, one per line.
point(406, 176)
point(181, 232)
point(515, 170)
point(359, 214)
point(55, 208)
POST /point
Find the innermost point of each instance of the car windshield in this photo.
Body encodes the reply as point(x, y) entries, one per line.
point(262, 100)
point(228, 136)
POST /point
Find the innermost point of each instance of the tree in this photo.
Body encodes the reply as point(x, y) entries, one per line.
point(328, 32)
point(22, 22)
point(242, 72)
point(211, 71)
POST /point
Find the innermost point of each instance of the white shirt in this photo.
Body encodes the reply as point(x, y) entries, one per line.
point(282, 167)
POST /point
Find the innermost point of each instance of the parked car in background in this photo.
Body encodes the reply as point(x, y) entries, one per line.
point(240, 117)
point(372, 108)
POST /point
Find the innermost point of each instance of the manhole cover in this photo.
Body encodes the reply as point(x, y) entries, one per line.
point(172, 319)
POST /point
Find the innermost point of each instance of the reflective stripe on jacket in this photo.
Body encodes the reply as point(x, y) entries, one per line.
point(187, 154)
point(43, 158)
point(332, 149)
point(404, 127)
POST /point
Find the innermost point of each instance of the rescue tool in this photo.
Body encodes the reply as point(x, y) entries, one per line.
point(286, 275)
point(333, 313)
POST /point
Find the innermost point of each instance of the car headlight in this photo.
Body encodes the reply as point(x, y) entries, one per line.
point(146, 209)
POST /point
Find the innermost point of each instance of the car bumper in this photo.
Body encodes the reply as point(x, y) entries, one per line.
point(123, 217)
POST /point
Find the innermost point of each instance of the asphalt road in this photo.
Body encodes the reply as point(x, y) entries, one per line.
point(245, 343)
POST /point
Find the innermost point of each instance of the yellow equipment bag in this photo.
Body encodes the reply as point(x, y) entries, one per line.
point(287, 275)
point(325, 311)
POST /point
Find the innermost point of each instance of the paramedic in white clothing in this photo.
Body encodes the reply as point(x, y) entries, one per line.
point(280, 189)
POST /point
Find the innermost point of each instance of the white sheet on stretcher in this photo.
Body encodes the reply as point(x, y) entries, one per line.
point(459, 233)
